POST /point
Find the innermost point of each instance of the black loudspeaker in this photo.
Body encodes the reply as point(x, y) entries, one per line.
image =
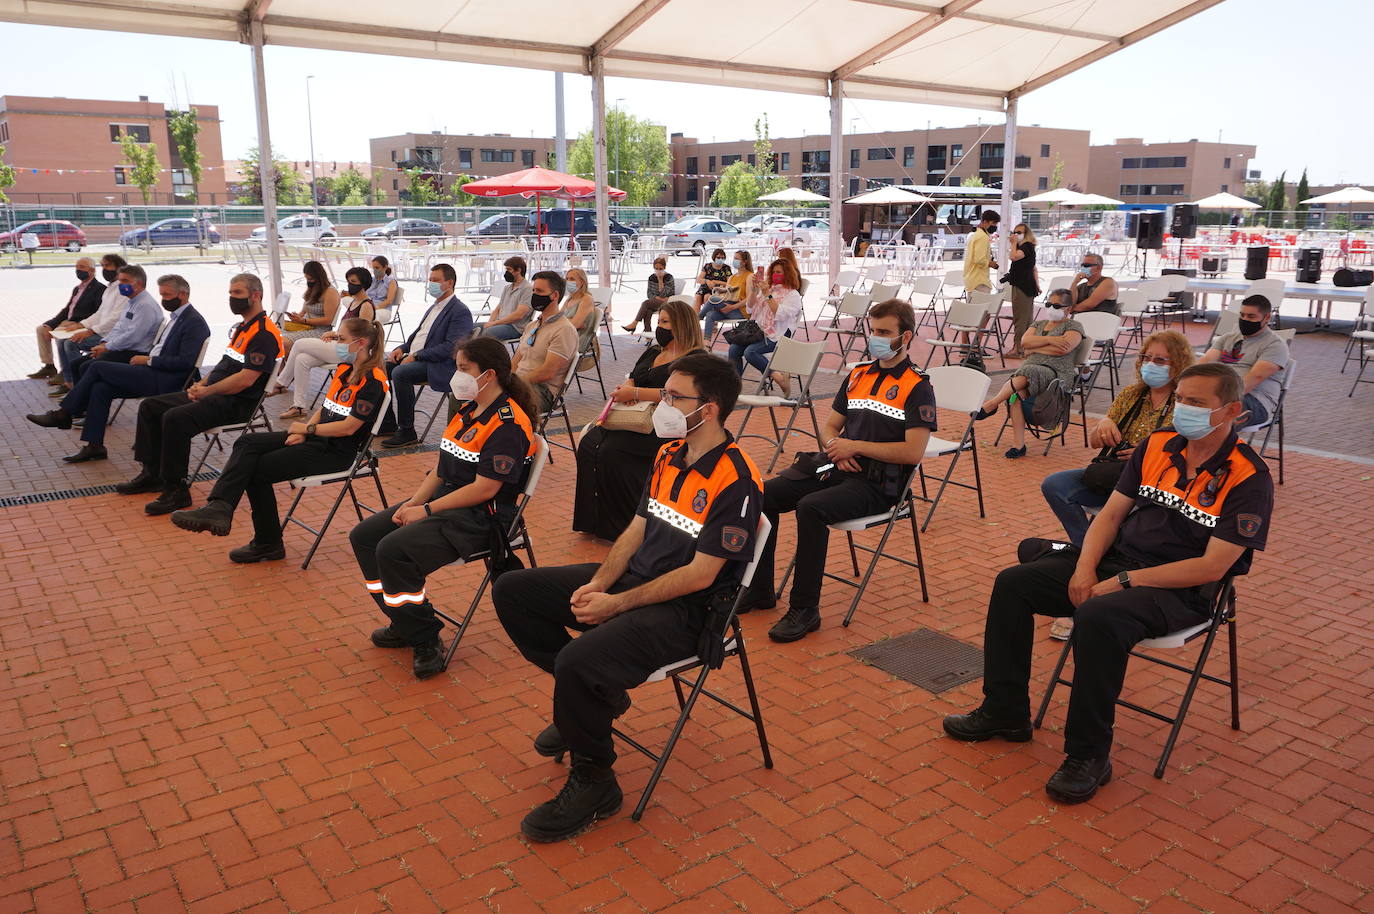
point(1149, 231)
point(1310, 265)
point(1190, 272)
point(1185, 221)
point(1257, 262)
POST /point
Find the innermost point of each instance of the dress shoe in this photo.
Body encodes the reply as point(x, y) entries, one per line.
point(978, 725)
point(1078, 779)
point(53, 418)
point(752, 601)
point(590, 793)
point(141, 484)
point(57, 381)
point(57, 393)
point(173, 498)
point(549, 743)
point(385, 637)
point(429, 659)
point(215, 516)
point(88, 452)
point(404, 437)
point(257, 552)
point(799, 622)
point(47, 371)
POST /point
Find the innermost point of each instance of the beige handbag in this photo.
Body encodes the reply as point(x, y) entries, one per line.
point(630, 417)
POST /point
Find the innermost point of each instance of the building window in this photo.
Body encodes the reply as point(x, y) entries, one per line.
point(4, 131)
point(1155, 162)
point(121, 175)
point(882, 182)
point(1225, 188)
point(395, 184)
point(908, 156)
point(906, 180)
point(498, 155)
point(935, 178)
point(711, 164)
point(956, 150)
point(853, 158)
point(935, 158)
point(785, 161)
point(1226, 162)
point(990, 155)
point(465, 158)
point(1044, 150)
point(853, 186)
point(1023, 161)
point(753, 159)
point(393, 155)
point(881, 154)
point(1042, 183)
point(1151, 190)
point(527, 158)
point(727, 161)
point(692, 190)
point(692, 165)
point(139, 132)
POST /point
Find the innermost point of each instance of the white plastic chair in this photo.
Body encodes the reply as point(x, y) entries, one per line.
point(962, 390)
point(854, 305)
point(963, 317)
point(799, 361)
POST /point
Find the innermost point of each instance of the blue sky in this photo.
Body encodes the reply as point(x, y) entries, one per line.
point(1284, 76)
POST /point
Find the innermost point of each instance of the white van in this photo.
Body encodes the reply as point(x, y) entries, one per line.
point(302, 228)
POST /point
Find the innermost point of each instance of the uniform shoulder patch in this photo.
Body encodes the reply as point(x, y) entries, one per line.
point(927, 412)
point(364, 407)
point(1247, 525)
point(503, 463)
point(256, 358)
point(733, 539)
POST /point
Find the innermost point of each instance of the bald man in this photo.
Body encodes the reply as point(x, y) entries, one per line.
point(81, 304)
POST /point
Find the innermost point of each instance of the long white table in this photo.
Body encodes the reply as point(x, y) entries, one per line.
point(1320, 296)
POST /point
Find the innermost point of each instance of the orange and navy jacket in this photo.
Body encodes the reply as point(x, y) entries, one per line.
point(881, 404)
point(361, 399)
point(498, 443)
point(711, 506)
point(255, 345)
point(1231, 497)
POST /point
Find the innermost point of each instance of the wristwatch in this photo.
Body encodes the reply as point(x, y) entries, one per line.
point(428, 511)
point(310, 429)
point(1125, 579)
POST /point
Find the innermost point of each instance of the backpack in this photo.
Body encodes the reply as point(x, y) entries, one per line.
point(1048, 409)
point(974, 360)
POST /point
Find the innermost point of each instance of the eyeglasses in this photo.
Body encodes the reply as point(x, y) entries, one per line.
point(1155, 360)
point(1089, 266)
point(669, 398)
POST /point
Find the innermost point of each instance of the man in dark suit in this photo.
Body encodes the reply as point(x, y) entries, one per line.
point(81, 304)
point(166, 368)
point(427, 357)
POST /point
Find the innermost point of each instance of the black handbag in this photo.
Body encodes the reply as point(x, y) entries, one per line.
point(1103, 472)
point(745, 333)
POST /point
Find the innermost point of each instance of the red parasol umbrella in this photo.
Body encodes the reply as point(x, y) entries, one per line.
point(537, 183)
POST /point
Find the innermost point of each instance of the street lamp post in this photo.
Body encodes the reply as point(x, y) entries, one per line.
point(619, 137)
point(310, 126)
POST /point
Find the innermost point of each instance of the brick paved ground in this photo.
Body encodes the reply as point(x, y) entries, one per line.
point(180, 733)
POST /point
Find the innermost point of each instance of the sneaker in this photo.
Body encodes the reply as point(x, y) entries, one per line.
point(549, 742)
point(173, 498)
point(590, 793)
point(47, 371)
point(143, 483)
point(799, 622)
point(429, 659)
point(1060, 629)
point(215, 516)
point(88, 452)
point(53, 418)
point(385, 637)
point(1078, 779)
point(257, 552)
point(404, 437)
point(977, 726)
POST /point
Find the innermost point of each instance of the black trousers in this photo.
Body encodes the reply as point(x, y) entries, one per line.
point(842, 496)
point(264, 458)
point(591, 673)
point(1104, 631)
point(167, 423)
point(396, 560)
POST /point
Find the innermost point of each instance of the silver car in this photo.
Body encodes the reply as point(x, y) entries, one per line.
point(699, 233)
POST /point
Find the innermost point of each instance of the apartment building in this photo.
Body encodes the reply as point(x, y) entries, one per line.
point(938, 155)
point(66, 150)
point(1137, 172)
point(441, 155)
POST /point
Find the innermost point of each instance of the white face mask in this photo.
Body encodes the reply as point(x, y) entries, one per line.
point(671, 422)
point(463, 386)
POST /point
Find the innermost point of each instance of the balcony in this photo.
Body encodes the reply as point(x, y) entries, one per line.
point(989, 163)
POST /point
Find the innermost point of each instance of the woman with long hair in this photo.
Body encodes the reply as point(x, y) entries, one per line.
point(321, 307)
point(614, 463)
point(327, 442)
point(309, 354)
point(778, 314)
point(383, 288)
point(733, 303)
point(1024, 284)
point(484, 457)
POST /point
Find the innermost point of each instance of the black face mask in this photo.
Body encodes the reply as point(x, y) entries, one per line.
point(171, 304)
point(663, 336)
point(83, 275)
point(509, 276)
point(1250, 328)
point(354, 288)
point(309, 281)
point(240, 305)
point(109, 275)
point(540, 302)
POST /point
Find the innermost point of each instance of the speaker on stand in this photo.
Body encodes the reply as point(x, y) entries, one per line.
point(1184, 225)
point(1149, 236)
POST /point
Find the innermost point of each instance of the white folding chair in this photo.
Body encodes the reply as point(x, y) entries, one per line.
point(854, 305)
point(882, 291)
point(1103, 327)
point(1133, 306)
point(925, 294)
point(994, 302)
point(517, 536)
point(1083, 376)
point(589, 351)
point(954, 280)
point(364, 465)
point(1270, 288)
point(1227, 322)
point(962, 390)
point(798, 361)
point(963, 317)
point(1360, 338)
point(560, 408)
point(603, 295)
point(1275, 419)
point(845, 281)
point(734, 647)
point(391, 317)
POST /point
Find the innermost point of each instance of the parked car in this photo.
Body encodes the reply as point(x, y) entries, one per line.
point(698, 234)
point(760, 222)
point(803, 230)
point(303, 228)
point(52, 233)
point(501, 224)
point(556, 222)
point(406, 228)
point(177, 230)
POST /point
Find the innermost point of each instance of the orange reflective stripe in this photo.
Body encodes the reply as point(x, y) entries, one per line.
point(373, 586)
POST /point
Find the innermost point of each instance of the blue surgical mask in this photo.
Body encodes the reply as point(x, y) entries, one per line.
point(435, 290)
point(126, 289)
point(1193, 422)
point(720, 261)
point(736, 263)
point(880, 347)
point(573, 287)
point(1154, 375)
point(1086, 271)
point(341, 351)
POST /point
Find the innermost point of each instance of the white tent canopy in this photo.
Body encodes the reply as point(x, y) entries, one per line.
point(1094, 200)
point(795, 195)
point(1060, 196)
point(889, 194)
point(1344, 195)
point(1225, 201)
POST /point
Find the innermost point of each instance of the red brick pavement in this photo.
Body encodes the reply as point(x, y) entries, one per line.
point(177, 733)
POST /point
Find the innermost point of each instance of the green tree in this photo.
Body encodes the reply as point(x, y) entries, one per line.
point(636, 157)
point(7, 178)
point(350, 188)
point(1057, 175)
point(971, 181)
point(144, 167)
point(1303, 193)
point(291, 187)
point(185, 131)
point(741, 184)
point(459, 196)
point(1278, 195)
point(420, 189)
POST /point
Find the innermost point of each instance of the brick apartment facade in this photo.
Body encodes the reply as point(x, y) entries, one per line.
point(437, 153)
point(53, 134)
point(1134, 171)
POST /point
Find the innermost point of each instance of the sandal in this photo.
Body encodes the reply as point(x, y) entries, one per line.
point(277, 391)
point(294, 412)
point(1015, 452)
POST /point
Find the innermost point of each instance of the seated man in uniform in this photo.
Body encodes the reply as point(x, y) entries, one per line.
point(645, 605)
point(875, 435)
point(167, 423)
point(1192, 503)
point(1257, 354)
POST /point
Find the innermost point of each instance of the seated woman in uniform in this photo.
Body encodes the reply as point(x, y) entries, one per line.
point(614, 463)
point(1049, 347)
point(325, 443)
point(484, 457)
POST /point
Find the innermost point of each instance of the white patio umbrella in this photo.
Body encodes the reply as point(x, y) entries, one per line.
point(795, 195)
point(1094, 200)
point(1347, 195)
point(1059, 196)
point(889, 194)
point(1225, 201)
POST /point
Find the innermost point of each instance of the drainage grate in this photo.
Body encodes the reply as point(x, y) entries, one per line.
point(925, 658)
point(38, 498)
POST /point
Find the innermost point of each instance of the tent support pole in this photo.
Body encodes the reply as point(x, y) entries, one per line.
point(1008, 185)
point(837, 189)
point(603, 200)
point(560, 133)
point(265, 176)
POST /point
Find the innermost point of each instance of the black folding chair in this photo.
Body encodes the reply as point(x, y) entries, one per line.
point(1223, 613)
point(257, 421)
